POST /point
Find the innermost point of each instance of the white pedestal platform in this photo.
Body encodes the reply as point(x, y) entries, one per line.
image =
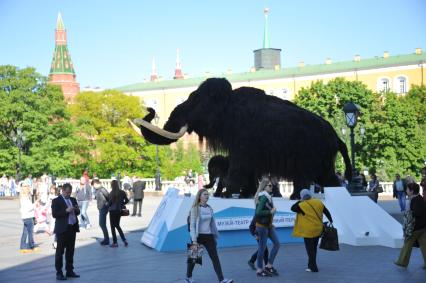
point(353, 217)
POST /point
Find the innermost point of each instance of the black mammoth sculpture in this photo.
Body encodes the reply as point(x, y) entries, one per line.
point(261, 134)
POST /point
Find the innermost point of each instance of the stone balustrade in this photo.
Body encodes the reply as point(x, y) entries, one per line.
point(286, 188)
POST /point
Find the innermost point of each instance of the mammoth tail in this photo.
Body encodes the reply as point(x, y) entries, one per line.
point(348, 166)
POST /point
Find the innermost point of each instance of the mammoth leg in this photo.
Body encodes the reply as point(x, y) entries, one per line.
point(329, 177)
point(240, 181)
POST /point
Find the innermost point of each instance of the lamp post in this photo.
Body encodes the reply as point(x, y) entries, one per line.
point(351, 115)
point(157, 173)
point(19, 140)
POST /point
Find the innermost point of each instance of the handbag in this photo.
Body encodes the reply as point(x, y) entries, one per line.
point(329, 237)
point(195, 256)
point(124, 211)
point(379, 189)
point(408, 222)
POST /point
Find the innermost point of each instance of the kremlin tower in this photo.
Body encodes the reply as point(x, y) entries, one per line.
point(154, 76)
point(178, 70)
point(62, 70)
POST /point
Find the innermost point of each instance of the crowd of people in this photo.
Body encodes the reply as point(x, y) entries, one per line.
point(62, 211)
point(37, 195)
point(308, 225)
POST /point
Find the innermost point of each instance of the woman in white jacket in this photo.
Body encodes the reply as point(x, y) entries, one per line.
point(27, 215)
point(203, 231)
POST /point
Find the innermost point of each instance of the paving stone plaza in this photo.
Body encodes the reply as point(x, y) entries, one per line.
point(138, 263)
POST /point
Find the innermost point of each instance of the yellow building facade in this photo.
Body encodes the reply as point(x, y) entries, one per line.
point(386, 72)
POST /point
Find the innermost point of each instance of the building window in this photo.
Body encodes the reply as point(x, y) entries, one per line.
point(383, 85)
point(401, 85)
point(269, 92)
point(284, 94)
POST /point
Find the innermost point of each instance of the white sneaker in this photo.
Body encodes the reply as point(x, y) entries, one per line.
point(227, 281)
point(189, 280)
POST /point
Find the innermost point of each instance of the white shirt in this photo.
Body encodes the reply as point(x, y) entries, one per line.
point(27, 208)
point(206, 216)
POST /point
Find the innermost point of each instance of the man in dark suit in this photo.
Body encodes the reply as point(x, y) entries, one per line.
point(138, 188)
point(65, 210)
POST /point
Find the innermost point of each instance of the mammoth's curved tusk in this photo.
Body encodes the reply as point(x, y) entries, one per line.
point(157, 130)
point(134, 127)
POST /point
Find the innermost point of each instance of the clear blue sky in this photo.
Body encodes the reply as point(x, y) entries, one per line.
point(112, 42)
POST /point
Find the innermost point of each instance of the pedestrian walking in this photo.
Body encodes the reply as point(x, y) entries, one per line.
point(4, 185)
point(117, 200)
point(138, 195)
point(102, 201)
point(399, 188)
point(53, 193)
point(65, 210)
point(84, 196)
point(416, 233)
point(27, 215)
point(373, 186)
point(265, 211)
point(309, 225)
point(41, 214)
point(252, 260)
point(203, 231)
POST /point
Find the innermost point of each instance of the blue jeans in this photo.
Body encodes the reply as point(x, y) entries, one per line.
point(84, 219)
point(401, 199)
point(102, 222)
point(264, 234)
point(27, 232)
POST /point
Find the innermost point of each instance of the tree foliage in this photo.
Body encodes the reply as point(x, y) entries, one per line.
point(37, 109)
point(180, 159)
point(393, 140)
point(112, 146)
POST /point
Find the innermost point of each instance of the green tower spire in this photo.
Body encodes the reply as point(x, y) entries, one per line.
point(61, 62)
point(266, 43)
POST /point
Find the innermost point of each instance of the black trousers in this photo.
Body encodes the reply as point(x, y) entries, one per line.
point(65, 242)
point(135, 205)
point(114, 220)
point(209, 242)
point(311, 245)
point(265, 255)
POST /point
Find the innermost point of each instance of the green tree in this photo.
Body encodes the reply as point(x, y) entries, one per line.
point(38, 109)
point(327, 100)
point(179, 160)
point(113, 147)
point(393, 140)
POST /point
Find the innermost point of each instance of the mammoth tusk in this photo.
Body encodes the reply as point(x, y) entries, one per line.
point(157, 130)
point(134, 127)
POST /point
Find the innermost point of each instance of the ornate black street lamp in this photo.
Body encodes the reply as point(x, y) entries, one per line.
point(157, 173)
point(352, 113)
point(19, 140)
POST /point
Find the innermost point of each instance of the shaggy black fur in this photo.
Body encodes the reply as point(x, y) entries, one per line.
point(218, 168)
point(261, 134)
